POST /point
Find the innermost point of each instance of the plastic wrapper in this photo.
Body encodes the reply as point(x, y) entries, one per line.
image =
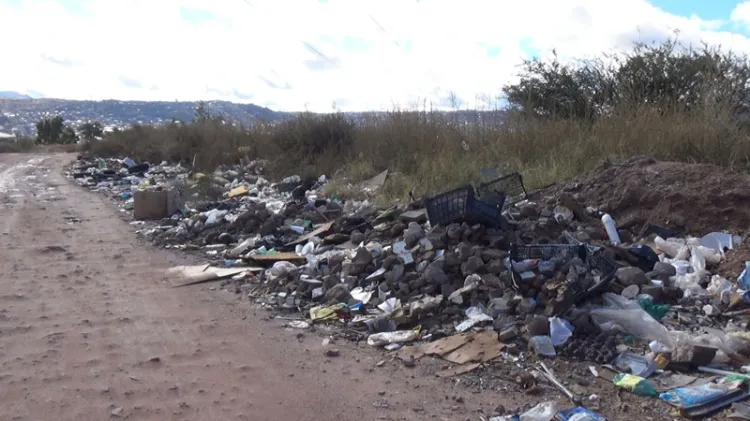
point(693, 395)
point(474, 315)
point(560, 330)
point(690, 284)
point(545, 411)
point(282, 268)
point(697, 259)
point(397, 337)
point(579, 414)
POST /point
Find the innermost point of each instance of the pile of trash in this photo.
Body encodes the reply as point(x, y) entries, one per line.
point(471, 276)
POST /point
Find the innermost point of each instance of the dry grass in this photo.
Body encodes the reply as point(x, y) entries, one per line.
point(431, 152)
point(16, 145)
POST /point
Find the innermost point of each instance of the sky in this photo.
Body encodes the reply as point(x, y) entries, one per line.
point(324, 55)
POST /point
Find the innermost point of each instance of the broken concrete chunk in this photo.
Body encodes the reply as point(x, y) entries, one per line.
point(631, 275)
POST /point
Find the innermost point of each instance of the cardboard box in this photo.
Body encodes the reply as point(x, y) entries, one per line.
point(155, 204)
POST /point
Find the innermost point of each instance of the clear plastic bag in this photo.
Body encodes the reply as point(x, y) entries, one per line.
point(545, 411)
point(636, 322)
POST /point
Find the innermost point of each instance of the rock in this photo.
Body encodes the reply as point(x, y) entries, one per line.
point(529, 211)
point(582, 236)
point(583, 324)
point(538, 326)
point(526, 306)
point(226, 238)
point(626, 237)
point(410, 363)
point(665, 268)
point(454, 232)
point(363, 257)
point(499, 410)
point(413, 234)
point(434, 274)
point(338, 294)
point(356, 237)
point(396, 274)
point(268, 227)
point(492, 281)
point(332, 352)
point(473, 265)
point(418, 216)
point(696, 355)
point(496, 267)
point(397, 229)
point(465, 251)
point(117, 412)
point(631, 275)
point(489, 255)
point(508, 334)
point(569, 202)
point(659, 276)
point(411, 239)
point(653, 290)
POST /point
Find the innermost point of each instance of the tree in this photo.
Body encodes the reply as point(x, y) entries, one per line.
point(202, 112)
point(68, 136)
point(53, 130)
point(91, 130)
point(49, 130)
point(663, 75)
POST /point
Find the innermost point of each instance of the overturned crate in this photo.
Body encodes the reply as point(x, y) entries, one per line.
point(562, 288)
point(460, 205)
point(503, 191)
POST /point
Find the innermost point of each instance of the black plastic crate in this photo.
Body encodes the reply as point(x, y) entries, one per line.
point(603, 267)
point(449, 207)
point(566, 252)
point(511, 185)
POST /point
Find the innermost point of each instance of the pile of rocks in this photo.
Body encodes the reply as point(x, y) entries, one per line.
point(549, 281)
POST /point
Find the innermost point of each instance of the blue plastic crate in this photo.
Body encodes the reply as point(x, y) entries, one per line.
point(487, 214)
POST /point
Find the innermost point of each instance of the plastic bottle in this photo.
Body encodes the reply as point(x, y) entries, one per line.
point(635, 384)
point(244, 246)
point(609, 225)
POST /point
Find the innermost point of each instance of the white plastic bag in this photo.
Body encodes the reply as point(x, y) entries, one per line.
point(397, 337)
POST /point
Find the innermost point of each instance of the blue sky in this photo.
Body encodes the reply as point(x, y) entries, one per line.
point(705, 9)
point(320, 55)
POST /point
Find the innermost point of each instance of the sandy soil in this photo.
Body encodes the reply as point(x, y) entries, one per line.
point(90, 331)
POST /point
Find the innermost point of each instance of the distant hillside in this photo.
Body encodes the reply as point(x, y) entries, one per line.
point(13, 95)
point(21, 115)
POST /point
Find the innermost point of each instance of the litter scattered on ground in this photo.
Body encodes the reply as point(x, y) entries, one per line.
point(639, 277)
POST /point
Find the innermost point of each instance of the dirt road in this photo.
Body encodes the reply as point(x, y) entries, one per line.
point(89, 331)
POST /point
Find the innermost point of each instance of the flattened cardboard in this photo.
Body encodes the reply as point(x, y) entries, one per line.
point(179, 276)
point(322, 228)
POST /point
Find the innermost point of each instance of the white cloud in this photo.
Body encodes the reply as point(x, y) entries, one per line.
point(741, 13)
point(376, 52)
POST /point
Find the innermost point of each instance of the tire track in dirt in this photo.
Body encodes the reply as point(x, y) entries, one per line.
point(88, 330)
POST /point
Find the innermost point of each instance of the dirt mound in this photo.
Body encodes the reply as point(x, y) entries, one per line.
point(685, 198)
